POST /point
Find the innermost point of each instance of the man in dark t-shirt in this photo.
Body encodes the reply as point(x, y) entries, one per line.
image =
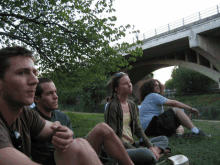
point(18, 123)
point(46, 101)
point(27, 124)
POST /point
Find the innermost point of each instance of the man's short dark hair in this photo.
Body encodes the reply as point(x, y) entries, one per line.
point(39, 89)
point(7, 53)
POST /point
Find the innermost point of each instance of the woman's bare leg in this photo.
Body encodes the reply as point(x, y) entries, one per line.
point(79, 152)
point(102, 134)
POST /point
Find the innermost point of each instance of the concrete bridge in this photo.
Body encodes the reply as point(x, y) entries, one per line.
point(194, 45)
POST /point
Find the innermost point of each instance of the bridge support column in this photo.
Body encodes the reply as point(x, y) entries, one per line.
point(207, 47)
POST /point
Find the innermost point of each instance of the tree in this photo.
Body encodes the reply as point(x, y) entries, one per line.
point(189, 81)
point(94, 92)
point(169, 84)
point(72, 38)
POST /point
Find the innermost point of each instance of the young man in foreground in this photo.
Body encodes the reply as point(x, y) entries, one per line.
point(19, 123)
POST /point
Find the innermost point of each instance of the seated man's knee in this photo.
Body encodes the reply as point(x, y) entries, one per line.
point(180, 130)
point(104, 129)
point(175, 109)
point(78, 146)
point(73, 152)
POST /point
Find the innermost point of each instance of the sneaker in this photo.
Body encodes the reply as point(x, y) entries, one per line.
point(201, 134)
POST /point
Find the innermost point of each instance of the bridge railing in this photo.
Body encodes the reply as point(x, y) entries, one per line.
point(177, 24)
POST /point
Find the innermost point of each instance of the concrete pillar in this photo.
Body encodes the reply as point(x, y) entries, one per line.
point(211, 66)
point(186, 57)
point(198, 60)
point(208, 47)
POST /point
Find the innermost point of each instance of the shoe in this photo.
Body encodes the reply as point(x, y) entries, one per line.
point(201, 134)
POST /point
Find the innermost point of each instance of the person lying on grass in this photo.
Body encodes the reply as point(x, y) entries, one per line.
point(19, 123)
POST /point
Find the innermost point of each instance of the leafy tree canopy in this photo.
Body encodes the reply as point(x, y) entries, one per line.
point(72, 39)
point(189, 81)
point(169, 84)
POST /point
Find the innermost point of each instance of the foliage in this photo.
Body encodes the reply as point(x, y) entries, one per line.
point(86, 98)
point(169, 84)
point(67, 97)
point(93, 93)
point(189, 81)
point(72, 38)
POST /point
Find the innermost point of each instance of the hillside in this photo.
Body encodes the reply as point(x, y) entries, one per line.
point(208, 105)
point(205, 101)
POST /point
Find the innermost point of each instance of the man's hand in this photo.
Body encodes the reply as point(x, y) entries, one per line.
point(62, 137)
point(194, 111)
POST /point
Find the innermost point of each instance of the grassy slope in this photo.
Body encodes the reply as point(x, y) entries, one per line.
point(201, 100)
point(199, 151)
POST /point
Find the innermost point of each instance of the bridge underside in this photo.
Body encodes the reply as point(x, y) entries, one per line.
point(195, 47)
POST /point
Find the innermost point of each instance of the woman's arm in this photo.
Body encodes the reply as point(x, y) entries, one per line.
point(138, 131)
point(111, 118)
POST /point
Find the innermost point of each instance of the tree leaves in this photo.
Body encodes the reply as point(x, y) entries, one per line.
point(71, 38)
point(189, 81)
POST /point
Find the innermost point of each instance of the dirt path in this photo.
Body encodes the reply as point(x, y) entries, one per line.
point(207, 120)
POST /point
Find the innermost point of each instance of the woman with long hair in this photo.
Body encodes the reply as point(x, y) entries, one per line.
point(121, 115)
point(155, 121)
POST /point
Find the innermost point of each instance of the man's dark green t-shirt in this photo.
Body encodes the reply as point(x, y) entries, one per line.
point(43, 152)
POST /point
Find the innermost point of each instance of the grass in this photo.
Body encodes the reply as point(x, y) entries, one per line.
point(83, 123)
point(201, 151)
point(208, 100)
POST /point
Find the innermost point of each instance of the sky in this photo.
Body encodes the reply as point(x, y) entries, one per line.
point(149, 15)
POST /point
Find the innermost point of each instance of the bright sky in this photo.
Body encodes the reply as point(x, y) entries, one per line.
point(148, 15)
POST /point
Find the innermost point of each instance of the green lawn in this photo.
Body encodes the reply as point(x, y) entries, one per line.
point(200, 151)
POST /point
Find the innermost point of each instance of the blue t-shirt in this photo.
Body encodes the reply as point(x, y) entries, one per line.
point(150, 107)
point(106, 105)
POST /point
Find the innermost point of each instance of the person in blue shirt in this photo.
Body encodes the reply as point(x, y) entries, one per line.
point(155, 121)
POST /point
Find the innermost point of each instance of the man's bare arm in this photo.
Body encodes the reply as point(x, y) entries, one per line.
point(46, 133)
point(11, 156)
point(60, 136)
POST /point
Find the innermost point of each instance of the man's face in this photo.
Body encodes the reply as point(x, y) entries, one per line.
point(19, 84)
point(49, 99)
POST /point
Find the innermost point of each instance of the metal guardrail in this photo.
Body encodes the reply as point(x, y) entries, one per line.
point(177, 24)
